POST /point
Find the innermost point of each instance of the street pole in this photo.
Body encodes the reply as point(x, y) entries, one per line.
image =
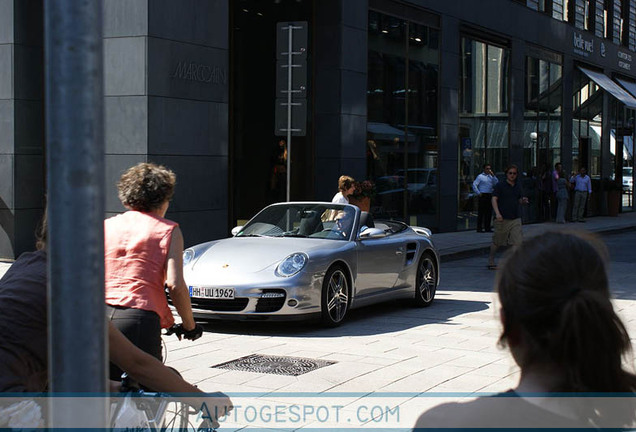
point(75, 178)
point(289, 108)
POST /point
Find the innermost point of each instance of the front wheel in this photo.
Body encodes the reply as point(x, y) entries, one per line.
point(426, 281)
point(335, 297)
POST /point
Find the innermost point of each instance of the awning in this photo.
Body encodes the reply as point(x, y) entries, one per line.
point(629, 85)
point(610, 86)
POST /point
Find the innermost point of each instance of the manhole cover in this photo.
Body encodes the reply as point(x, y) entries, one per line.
point(278, 365)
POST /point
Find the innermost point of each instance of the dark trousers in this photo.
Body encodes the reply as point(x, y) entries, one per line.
point(484, 212)
point(141, 327)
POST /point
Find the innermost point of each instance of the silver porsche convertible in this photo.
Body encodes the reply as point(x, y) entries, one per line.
point(300, 260)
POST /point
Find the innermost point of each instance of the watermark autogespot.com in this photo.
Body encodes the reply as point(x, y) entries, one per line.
point(297, 410)
point(282, 415)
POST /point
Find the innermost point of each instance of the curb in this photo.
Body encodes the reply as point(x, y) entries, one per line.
point(484, 250)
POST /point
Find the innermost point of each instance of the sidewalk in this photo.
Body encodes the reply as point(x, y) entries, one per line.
point(462, 244)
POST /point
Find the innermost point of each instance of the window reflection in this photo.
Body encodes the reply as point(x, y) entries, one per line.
point(402, 139)
point(586, 132)
point(622, 151)
point(484, 119)
point(541, 136)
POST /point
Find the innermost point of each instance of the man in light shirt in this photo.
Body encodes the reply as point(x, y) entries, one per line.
point(582, 188)
point(483, 187)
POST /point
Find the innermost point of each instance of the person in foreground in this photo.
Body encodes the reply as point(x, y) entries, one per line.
point(562, 331)
point(24, 340)
point(143, 253)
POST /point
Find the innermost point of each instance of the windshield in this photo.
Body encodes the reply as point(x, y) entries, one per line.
point(325, 221)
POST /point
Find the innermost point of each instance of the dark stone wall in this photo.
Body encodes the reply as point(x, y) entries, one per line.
point(166, 85)
point(340, 87)
point(22, 164)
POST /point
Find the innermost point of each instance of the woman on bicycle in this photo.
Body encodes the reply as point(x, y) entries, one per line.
point(143, 253)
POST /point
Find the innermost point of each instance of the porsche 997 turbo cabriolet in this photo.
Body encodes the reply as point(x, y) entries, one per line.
point(301, 260)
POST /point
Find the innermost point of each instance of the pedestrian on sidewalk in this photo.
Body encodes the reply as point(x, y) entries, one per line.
point(557, 173)
point(346, 187)
point(562, 196)
point(507, 197)
point(483, 187)
point(561, 328)
point(582, 189)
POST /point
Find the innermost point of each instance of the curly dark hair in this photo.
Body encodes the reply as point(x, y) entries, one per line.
point(146, 186)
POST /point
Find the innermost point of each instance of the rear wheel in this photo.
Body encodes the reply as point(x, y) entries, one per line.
point(335, 297)
point(425, 281)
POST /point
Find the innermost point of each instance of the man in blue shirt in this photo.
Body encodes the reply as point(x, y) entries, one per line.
point(483, 187)
point(582, 188)
point(507, 196)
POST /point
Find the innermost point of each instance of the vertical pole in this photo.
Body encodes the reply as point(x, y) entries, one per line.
point(75, 167)
point(289, 108)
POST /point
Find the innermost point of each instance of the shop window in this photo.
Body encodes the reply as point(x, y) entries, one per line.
point(621, 151)
point(484, 118)
point(402, 131)
point(542, 134)
point(587, 119)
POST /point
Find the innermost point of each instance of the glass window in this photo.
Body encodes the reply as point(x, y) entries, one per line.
point(484, 119)
point(402, 136)
point(542, 135)
point(587, 132)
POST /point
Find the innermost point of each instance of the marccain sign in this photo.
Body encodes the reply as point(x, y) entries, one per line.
point(192, 71)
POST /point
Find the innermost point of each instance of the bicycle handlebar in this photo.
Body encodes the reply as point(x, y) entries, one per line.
point(179, 332)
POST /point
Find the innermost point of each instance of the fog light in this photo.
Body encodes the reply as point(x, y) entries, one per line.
point(292, 303)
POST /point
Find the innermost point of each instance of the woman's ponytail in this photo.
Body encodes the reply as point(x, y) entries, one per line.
point(554, 292)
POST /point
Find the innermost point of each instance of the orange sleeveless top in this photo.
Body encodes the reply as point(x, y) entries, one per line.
point(136, 252)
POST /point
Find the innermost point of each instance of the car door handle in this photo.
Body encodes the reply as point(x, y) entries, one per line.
point(399, 251)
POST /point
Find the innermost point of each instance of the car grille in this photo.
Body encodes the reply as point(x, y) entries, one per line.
point(236, 305)
point(271, 300)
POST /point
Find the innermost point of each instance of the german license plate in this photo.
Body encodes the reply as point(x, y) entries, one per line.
point(212, 292)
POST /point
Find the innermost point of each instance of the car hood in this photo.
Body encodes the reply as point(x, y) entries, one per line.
point(244, 255)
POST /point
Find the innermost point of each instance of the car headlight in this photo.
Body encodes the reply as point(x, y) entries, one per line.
point(292, 264)
point(188, 256)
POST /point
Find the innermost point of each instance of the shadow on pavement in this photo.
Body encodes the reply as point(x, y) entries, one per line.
point(378, 319)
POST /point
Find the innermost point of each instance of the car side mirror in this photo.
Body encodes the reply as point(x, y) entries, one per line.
point(236, 230)
point(370, 233)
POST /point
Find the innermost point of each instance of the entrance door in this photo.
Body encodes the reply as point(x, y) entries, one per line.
point(257, 157)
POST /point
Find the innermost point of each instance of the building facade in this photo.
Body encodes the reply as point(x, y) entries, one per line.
point(413, 95)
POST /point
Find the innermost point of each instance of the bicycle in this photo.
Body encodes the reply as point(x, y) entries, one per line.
point(153, 411)
point(147, 410)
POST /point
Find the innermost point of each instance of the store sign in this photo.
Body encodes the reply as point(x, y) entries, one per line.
point(582, 46)
point(192, 71)
point(624, 60)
